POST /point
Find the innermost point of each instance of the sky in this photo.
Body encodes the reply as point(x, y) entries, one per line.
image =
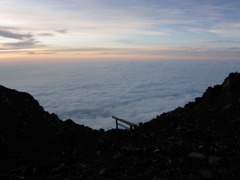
point(119, 30)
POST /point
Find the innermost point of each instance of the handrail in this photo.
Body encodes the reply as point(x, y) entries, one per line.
point(132, 125)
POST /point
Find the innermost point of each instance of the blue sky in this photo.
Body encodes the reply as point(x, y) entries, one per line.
point(119, 29)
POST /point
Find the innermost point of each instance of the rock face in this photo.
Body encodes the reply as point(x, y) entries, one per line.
point(28, 133)
point(199, 141)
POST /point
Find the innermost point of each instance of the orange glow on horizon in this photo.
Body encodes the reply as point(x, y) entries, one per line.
point(107, 54)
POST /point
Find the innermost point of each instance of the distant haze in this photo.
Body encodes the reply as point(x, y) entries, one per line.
point(90, 93)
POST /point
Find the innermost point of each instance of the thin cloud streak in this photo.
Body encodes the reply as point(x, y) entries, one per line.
point(11, 35)
point(22, 45)
point(62, 31)
point(46, 34)
point(35, 53)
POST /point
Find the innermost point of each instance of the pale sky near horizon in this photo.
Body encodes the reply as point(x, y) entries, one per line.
point(119, 30)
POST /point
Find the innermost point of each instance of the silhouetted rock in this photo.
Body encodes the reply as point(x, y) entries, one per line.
point(29, 134)
point(199, 141)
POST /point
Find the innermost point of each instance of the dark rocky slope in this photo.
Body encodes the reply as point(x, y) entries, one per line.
point(30, 135)
point(199, 141)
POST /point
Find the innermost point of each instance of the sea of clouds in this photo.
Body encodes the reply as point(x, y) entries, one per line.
point(90, 93)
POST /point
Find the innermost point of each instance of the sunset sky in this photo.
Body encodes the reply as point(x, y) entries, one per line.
point(119, 30)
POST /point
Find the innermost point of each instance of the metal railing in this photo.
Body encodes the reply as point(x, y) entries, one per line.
point(131, 125)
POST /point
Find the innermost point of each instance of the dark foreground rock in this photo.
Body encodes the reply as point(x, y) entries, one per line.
point(198, 141)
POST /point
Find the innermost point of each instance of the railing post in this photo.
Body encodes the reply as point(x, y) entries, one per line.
point(116, 124)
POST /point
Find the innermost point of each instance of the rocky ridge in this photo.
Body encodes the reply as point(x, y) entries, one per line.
point(199, 141)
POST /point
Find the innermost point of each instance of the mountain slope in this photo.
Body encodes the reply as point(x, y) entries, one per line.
point(198, 141)
point(27, 132)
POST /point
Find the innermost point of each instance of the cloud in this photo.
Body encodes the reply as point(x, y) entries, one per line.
point(11, 35)
point(236, 49)
point(222, 28)
point(7, 51)
point(193, 53)
point(128, 41)
point(45, 34)
point(224, 41)
point(62, 31)
point(84, 49)
point(90, 93)
point(22, 44)
point(34, 53)
point(8, 28)
point(19, 40)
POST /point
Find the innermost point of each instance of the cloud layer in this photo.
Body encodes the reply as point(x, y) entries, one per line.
point(90, 93)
